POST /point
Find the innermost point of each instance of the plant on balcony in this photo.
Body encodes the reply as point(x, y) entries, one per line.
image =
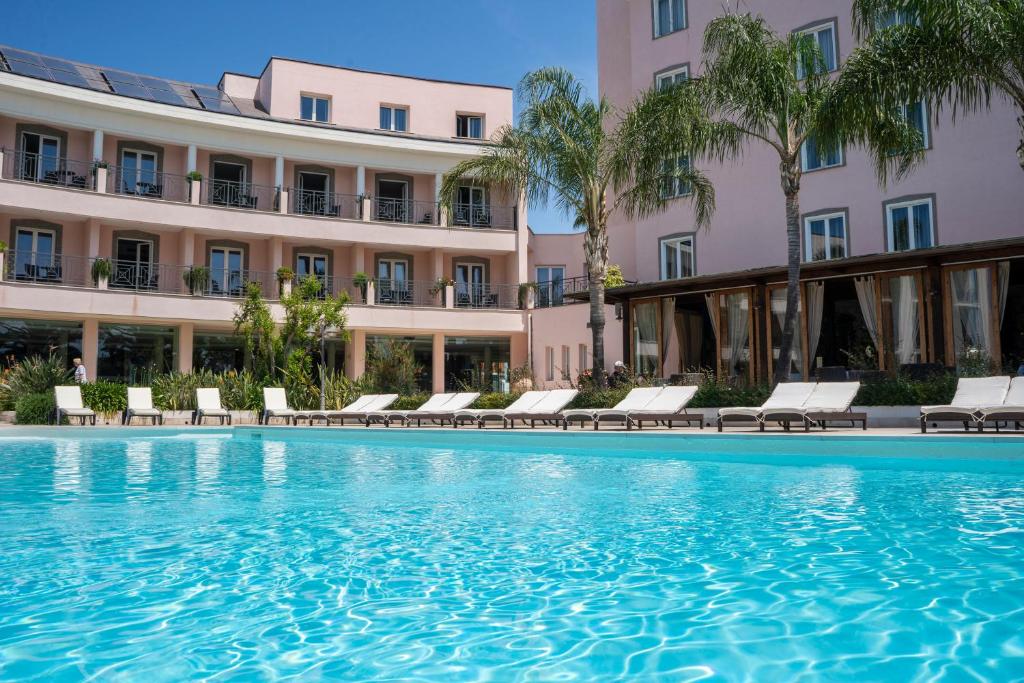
point(440, 286)
point(101, 270)
point(524, 292)
point(99, 163)
point(197, 278)
point(3, 246)
point(285, 274)
point(361, 280)
point(194, 175)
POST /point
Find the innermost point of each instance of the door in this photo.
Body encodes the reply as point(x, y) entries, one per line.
point(139, 174)
point(551, 287)
point(393, 282)
point(471, 208)
point(314, 265)
point(312, 196)
point(227, 276)
point(227, 187)
point(40, 160)
point(133, 264)
point(35, 255)
point(470, 289)
point(392, 201)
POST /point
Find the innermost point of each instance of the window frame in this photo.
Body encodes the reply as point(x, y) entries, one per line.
point(655, 27)
point(581, 351)
point(566, 363)
point(469, 116)
point(926, 132)
point(680, 188)
point(909, 203)
point(549, 290)
point(392, 108)
point(824, 167)
point(549, 357)
point(40, 170)
point(677, 238)
point(825, 215)
point(812, 30)
point(315, 97)
point(671, 72)
point(35, 231)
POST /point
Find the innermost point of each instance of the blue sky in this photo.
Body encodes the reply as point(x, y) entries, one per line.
point(490, 41)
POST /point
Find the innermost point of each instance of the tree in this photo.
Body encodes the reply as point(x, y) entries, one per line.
point(565, 147)
point(958, 53)
point(752, 91)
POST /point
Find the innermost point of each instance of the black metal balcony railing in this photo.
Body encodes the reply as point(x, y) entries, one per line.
point(148, 184)
point(239, 195)
point(48, 170)
point(404, 211)
point(486, 295)
point(331, 204)
point(484, 216)
point(391, 292)
point(47, 268)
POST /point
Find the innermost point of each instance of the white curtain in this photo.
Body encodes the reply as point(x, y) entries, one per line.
point(711, 300)
point(737, 313)
point(670, 342)
point(646, 342)
point(778, 304)
point(815, 308)
point(971, 291)
point(906, 322)
point(866, 298)
point(1002, 286)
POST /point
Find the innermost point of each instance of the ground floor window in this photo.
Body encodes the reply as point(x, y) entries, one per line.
point(218, 352)
point(477, 363)
point(734, 325)
point(422, 348)
point(21, 338)
point(978, 299)
point(135, 353)
point(645, 339)
point(777, 321)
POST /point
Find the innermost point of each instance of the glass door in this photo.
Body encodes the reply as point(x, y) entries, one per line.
point(34, 255)
point(139, 174)
point(41, 158)
point(551, 287)
point(312, 195)
point(133, 264)
point(392, 283)
point(227, 187)
point(470, 288)
point(312, 265)
point(227, 277)
point(471, 208)
point(392, 201)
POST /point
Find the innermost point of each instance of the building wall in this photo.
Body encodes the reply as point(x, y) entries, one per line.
point(970, 168)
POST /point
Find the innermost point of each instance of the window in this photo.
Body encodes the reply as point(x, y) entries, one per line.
point(35, 254)
point(469, 126)
point(228, 186)
point(916, 115)
point(549, 354)
point(677, 258)
point(227, 276)
point(669, 16)
point(583, 357)
point(824, 36)
point(671, 77)
point(139, 173)
point(133, 264)
point(566, 363)
point(313, 192)
point(312, 265)
point(315, 108)
point(910, 225)
point(40, 157)
point(471, 207)
point(471, 286)
point(393, 272)
point(550, 285)
point(394, 118)
point(814, 157)
point(825, 237)
point(672, 185)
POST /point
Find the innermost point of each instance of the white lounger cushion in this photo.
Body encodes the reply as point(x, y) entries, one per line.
point(636, 399)
point(1012, 403)
point(670, 401)
point(435, 402)
point(276, 401)
point(70, 398)
point(140, 401)
point(524, 402)
point(208, 402)
point(785, 396)
point(827, 397)
point(550, 404)
point(972, 394)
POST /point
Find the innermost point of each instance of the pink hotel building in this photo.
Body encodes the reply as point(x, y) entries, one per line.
point(191, 191)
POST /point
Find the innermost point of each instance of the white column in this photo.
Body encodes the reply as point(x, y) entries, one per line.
point(279, 171)
point(186, 332)
point(360, 180)
point(191, 162)
point(437, 363)
point(97, 145)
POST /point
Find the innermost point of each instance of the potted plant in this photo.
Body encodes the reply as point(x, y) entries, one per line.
point(101, 270)
point(441, 286)
point(361, 280)
point(99, 163)
point(524, 292)
point(285, 278)
point(197, 278)
point(194, 175)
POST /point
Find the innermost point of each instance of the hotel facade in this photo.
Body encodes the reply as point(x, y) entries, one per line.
point(191, 191)
point(922, 272)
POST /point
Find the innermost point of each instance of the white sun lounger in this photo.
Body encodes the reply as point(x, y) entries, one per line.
point(1012, 409)
point(356, 406)
point(828, 402)
point(69, 404)
point(972, 394)
point(547, 409)
point(635, 399)
point(786, 395)
point(384, 416)
point(445, 412)
point(140, 404)
point(208, 405)
point(377, 403)
point(666, 408)
point(275, 404)
point(483, 415)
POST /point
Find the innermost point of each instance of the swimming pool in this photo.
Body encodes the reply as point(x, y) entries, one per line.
point(324, 554)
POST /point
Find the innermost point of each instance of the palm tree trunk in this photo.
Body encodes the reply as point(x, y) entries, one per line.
point(791, 188)
point(595, 247)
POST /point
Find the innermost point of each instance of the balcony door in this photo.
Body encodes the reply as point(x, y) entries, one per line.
point(227, 187)
point(312, 265)
point(393, 201)
point(139, 173)
point(133, 265)
point(227, 274)
point(470, 287)
point(471, 206)
point(313, 189)
point(35, 255)
point(392, 280)
point(40, 160)
point(550, 285)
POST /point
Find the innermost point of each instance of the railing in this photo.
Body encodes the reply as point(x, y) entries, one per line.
point(47, 268)
point(403, 211)
point(555, 292)
point(240, 195)
point(391, 292)
point(486, 296)
point(234, 283)
point(147, 184)
point(142, 276)
point(483, 216)
point(316, 203)
point(48, 170)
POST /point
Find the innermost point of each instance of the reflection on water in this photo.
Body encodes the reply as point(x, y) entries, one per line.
point(67, 467)
point(274, 463)
point(207, 464)
point(139, 465)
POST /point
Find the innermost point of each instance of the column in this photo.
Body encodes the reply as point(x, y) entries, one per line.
point(97, 145)
point(358, 255)
point(355, 354)
point(93, 230)
point(279, 184)
point(186, 333)
point(442, 216)
point(364, 208)
point(90, 346)
point(437, 364)
point(522, 242)
point(191, 159)
point(187, 247)
point(437, 261)
point(275, 253)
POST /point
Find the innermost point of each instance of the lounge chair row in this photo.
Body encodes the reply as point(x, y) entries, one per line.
point(979, 401)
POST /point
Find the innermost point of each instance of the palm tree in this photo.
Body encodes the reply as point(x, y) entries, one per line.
point(566, 148)
point(955, 52)
point(760, 88)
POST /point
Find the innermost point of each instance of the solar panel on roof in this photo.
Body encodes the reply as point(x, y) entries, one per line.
point(22, 56)
point(66, 72)
point(214, 99)
point(161, 90)
point(24, 68)
point(122, 77)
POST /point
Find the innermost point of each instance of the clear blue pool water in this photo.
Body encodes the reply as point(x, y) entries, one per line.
point(460, 557)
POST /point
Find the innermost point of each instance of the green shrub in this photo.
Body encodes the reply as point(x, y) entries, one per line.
point(106, 398)
point(598, 398)
point(239, 390)
point(410, 402)
point(494, 401)
point(902, 391)
point(175, 391)
point(34, 409)
point(34, 375)
point(391, 368)
point(723, 395)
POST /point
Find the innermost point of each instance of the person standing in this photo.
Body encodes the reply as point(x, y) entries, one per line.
point(80, 376)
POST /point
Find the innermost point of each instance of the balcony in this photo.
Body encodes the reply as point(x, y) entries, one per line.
point(560, 292)
point(304, 202)
point(48, 170)
point(484, 216)
point(235, 195)
point(137, 182)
